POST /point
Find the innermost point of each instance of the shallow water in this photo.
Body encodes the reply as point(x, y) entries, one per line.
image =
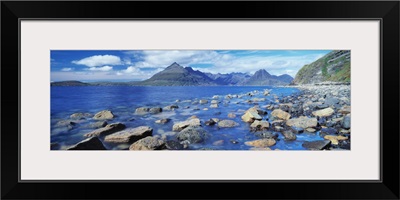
point(123, 100)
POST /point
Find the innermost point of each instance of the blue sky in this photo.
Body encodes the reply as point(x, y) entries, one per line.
point(130, 65)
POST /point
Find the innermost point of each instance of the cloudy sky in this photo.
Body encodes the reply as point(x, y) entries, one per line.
point(113, 65)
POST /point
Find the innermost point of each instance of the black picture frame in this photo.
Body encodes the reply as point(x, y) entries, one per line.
point(386, 11)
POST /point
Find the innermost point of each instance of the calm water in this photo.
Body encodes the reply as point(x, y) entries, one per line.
point(123, 100)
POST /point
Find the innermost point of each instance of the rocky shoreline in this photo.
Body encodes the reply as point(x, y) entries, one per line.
point(323, 110)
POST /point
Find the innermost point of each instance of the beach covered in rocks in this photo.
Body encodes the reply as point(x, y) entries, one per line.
point(307, 117)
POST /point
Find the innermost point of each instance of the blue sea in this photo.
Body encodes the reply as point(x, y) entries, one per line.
point(123, 100)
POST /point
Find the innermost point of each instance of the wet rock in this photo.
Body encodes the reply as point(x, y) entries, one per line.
point(327, 131)
point(251, 115)
point(280, 114)
point(148, 143)
point(162, 121)
point(129, 135)
point(289, 135)
point(345, 110)
point(218, 143)
point(99, 124)
point(174, 145)
point(331, 101)
point(231, 115)
point(142, 110)
point(277, 122)
point(259, 125)
point(215, 119)
point(324, 112)
point(92, 143)
point(214, 101)
point(278, 128)
point(210, 122)
point(203, 101)
point(296, 129)
point(80, 115)
point(317, 145)
point(302, 122)
point(215, 97)
point(286, 106)
point(171, 107)
point(193, 134)
point(266, 93)
point(205, 108)
point(110, 128)
point(155, 110)
point(226, 123)
point(195, 102)
point(267, 134)
point(346, 123)
point(322, 106)
point(68, 123)
point(190, 122)
point(214, 105)
point(267, 142)
point(335, 138)
point(103, 115)
point(310, 130)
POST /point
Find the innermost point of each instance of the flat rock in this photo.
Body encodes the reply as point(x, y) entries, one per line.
point(181, 125)
point(280, 114)
point(92, 143)
point(80, 115)
point(259, 125)
point(317, 145)
point(250, 115)
point(345, 110)
point(310, 130)
point(289, 135)
point(302, 122)
point(110, 128)
point(129, 135)
point(103, 115)
point(267, 142)
point(226, 123)
point(148, 143)
point(324, 112)
point(193, 134)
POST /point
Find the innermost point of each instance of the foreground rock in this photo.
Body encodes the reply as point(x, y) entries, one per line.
point(190, 122)
point(259, 125)
point(148, 143)
point(280, 114)
point(111, 128)
point(130, 135)
point(103, 115)
point(251, 115)
point(226, 123)
point(80, 115)
point(267, 142)
point(289, 135)
point(174, 145)
point(324, 112)
point(193, 134)
point(92, 143)
point(302, 122)
point(317, 145)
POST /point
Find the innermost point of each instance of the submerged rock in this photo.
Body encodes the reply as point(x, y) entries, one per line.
point(210, 122)
point(155, 110)
point(267, 142)
point(80, 115)
point(103, 115)
point(259, 125)
point(267, 134)
point(68, 123)
point(324, 112)
point(92, 143)
point(98, 124)
point(226, 123)
point(193, 134)
point(111, 128)
point(142, 110)
point(129, 135)
point(148, 143)
point(173, 145)
point(231, 115)
point(317, 145)
point(171, 107)
point(327, 131)
point(280, 114)
point(302, 122)
point(190, 122)
point(214, 105)
point(162, 121)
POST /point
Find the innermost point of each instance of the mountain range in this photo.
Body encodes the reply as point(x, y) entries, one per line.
point(176, 75)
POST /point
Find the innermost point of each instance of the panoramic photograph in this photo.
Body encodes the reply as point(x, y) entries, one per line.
point(191, 100)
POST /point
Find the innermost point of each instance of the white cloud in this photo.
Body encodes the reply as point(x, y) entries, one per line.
point(103, 69)
point(67, 69)
point(98, 60)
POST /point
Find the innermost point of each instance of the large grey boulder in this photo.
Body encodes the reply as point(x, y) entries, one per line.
point(148, 143)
